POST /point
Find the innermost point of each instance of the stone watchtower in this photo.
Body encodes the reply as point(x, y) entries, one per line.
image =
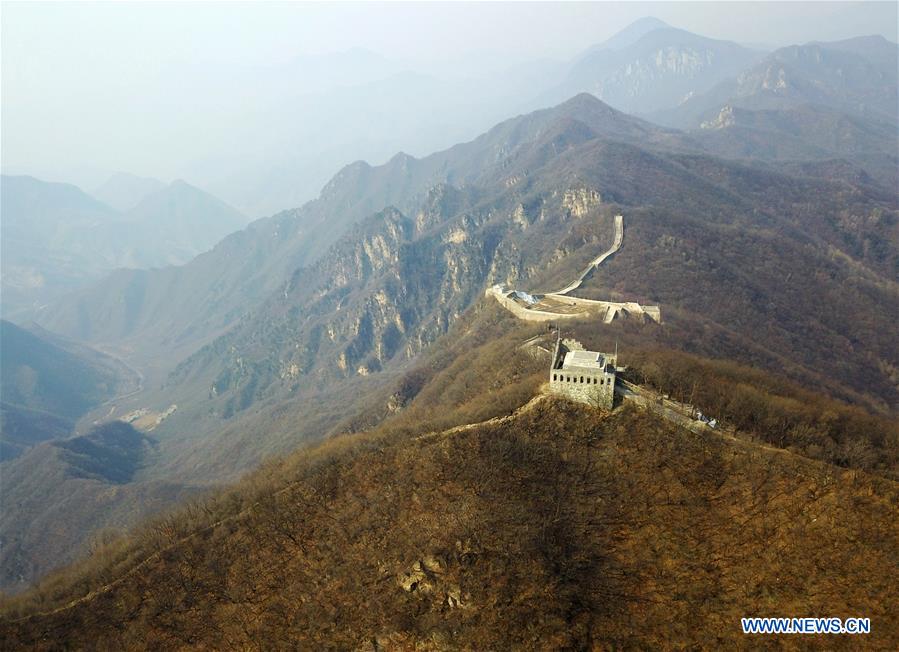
point(583, 376)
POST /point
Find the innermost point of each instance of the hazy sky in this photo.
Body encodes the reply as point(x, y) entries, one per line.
point(89, 88)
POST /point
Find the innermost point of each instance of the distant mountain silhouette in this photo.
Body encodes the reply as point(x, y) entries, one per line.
point(630, 34)
point(653, 69)
point(124, 191)
point(857, 76)
point(57, 238)
point(813, 101)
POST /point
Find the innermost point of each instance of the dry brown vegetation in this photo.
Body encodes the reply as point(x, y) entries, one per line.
point(776, 411)
point(563, 528)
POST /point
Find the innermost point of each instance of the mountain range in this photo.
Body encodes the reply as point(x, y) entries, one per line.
point(453, 513)
point(661, 69)
point(286, 322)
point(56, 238)
point(650, 69)
point(817, 100)
point(124, 191)
point(309, 134)
point(855, 76)
point(277, 147)
point(386, 422)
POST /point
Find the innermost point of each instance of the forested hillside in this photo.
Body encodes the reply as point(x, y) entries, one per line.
point(786, 267)
point(356, 412)
point(560, 523)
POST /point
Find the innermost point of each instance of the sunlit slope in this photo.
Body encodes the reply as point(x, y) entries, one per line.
point(559, 527)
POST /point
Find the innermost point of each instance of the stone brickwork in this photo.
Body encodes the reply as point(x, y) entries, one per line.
point(583, 376)
point(561, 305)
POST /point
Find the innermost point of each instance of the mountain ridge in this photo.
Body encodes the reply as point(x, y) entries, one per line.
point(284, 240)
point(124, 191)
point(345, 293)
point(839, 75)
point(577, 494)
point(656, 71)
point(58, 238)
point(630, 34)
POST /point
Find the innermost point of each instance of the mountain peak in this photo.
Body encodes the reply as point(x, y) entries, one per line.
point(631, 34)
point(181, 184)
point(186, 197)
point(585, 101)
point(599, 116)
point(401, 158)
point(123, 190)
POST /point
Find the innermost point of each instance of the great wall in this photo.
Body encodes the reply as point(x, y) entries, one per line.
point(560, 305)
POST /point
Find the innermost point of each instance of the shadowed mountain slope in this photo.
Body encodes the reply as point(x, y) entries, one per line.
point(48, 383)
point(76, 488)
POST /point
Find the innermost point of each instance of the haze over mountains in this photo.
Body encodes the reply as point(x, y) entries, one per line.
point(56, 238)
point(524, 202)
point(646, 68)
point(312, 115)
point(855, 76)
point(176, 348)
point(124, 191)
point(661, 68)
point(650, 70)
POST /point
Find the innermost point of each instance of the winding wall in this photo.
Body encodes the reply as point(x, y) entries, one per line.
point(596, 262)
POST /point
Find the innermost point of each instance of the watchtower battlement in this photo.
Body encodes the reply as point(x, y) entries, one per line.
point(583, 376)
